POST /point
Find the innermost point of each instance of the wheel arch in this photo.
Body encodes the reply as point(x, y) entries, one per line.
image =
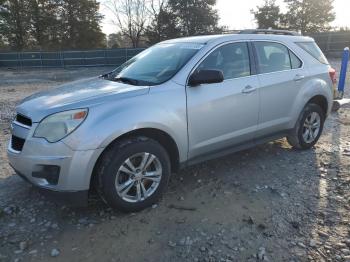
point(321, 101)
point(158, 135)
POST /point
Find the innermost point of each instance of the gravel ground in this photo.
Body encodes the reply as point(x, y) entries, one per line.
point(269, 203)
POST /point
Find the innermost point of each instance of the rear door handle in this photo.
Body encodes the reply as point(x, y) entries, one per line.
point(248, 89)
point(298, 77)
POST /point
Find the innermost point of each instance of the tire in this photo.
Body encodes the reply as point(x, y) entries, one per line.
point(299, 138)
point(115, 172)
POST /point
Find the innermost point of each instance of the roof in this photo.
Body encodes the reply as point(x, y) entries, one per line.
point(232, 37)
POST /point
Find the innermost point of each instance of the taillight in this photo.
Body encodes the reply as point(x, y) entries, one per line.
point(333, 75)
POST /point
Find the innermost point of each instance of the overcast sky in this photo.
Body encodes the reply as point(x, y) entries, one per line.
point(236, 14)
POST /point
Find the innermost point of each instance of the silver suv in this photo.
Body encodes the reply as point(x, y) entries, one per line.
point(175, 104)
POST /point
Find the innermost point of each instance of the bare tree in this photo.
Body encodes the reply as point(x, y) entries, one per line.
point(131, 17)
point(155, 9)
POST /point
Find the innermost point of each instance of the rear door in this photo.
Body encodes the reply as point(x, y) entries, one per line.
point(224, 114)
point(281, 75)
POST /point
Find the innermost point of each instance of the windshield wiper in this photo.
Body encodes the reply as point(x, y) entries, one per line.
point(106, 75)
point(128, 80)
point(132, 81)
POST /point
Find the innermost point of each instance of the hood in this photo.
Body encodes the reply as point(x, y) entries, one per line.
point(78, 94)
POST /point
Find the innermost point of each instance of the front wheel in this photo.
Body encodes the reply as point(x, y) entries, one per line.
point(308, 128)
point(133, 174)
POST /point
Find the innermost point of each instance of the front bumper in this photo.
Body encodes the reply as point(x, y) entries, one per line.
point(75, 199)
point(74, 168)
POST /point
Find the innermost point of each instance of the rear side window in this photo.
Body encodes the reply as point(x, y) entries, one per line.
point(313, 49)
point(272, 57)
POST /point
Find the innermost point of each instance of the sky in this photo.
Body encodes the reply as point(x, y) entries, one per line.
point(236, 14)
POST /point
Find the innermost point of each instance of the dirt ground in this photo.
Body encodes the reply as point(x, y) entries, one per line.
point(268, 203)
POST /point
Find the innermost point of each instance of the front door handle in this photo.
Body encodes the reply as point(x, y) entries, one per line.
point(248, 89)
point(298, 77)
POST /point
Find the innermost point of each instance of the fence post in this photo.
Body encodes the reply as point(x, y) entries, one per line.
point(62, 59)
point(21, 59)
point(343, 70)
point(329, 40)
point(41, 59)
point(18, 60)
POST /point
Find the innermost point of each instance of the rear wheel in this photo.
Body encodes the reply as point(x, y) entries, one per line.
point(133, 174)
point(308, 128)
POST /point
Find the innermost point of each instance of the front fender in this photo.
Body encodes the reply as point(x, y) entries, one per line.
point(107, 122)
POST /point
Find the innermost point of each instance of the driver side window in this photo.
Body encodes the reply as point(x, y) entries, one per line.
point(231, 59)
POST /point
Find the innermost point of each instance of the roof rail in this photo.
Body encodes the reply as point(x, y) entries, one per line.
point(228, 32)
point(269, 31)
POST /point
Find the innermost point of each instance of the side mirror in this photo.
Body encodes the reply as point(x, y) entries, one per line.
point(206, 77)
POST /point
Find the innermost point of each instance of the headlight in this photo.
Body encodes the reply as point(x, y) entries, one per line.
point(57, 126)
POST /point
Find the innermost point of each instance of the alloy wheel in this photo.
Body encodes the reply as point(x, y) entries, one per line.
point(138, 177)
point(311, 127)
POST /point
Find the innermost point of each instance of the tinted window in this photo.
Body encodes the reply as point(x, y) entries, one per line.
point(272, 57)
point(295, 61)
point(231, 59)
point(313, 49)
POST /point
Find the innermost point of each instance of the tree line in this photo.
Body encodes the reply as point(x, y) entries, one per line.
point(306, 16)
point(152, 21)
point(76, 24)
point(157, 20)
point(50, 24)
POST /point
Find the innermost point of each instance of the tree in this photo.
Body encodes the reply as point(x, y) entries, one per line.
point(163, 25)
point(344, 29)
point(117, 40)
point(195, 17)
point(44, 24)
point(14, 23)
point(51, 24)
point(113, 41)
point(131, 18)
point(310, 16)
point(3, 24)
point(80, 21)
point(268, 15)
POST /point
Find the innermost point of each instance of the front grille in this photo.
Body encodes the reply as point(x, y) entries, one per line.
point(23, 120)
point(17, 143)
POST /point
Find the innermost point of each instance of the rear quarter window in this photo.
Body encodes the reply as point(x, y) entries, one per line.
point(313, 49)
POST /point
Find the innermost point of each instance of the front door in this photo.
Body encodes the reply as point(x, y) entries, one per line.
point(224, 114)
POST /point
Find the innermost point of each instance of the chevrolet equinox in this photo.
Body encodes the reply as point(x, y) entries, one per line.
point(176, 103)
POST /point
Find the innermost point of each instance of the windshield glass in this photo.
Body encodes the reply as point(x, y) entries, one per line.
point(156, 64)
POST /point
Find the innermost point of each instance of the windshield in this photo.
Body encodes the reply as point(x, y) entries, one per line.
point(155, 65)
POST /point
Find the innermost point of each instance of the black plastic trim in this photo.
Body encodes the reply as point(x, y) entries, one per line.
point(70, 198)
point(49, 172)
point(23, 120)
point(252, 58)
point(234, 148)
